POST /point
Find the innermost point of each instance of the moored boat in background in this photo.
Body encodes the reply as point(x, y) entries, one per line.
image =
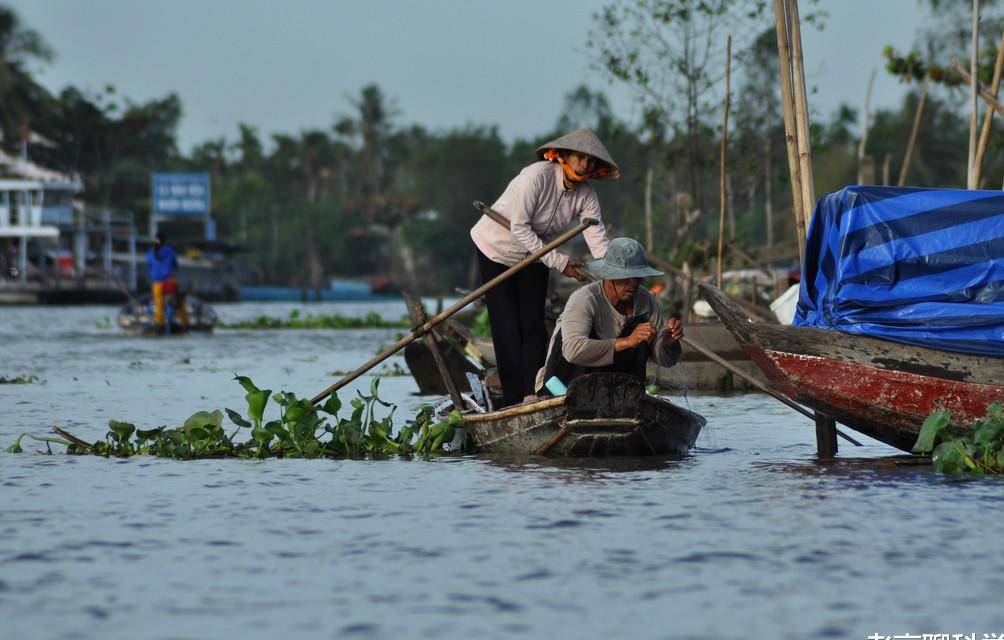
point(880, 388)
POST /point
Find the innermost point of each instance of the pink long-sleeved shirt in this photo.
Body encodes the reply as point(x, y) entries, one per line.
point(539, 208)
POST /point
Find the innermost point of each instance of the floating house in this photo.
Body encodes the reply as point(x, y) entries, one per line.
point(52, 249)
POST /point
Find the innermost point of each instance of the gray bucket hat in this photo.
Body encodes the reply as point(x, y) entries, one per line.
point(584, 141)
point(625, 259)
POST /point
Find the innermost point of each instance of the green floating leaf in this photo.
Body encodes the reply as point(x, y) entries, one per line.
point(202, 419)
point(331, 405)
point(122, 430)
point(237, 419)
point(933, 425)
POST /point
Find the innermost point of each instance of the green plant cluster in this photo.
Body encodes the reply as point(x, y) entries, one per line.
point(303, 430)
point(371, 320)
point(979, 453)
point(21, 379)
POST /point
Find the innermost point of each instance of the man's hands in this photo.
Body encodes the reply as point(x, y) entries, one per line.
point(573, 270)
point(674, 329)
point(644, 332)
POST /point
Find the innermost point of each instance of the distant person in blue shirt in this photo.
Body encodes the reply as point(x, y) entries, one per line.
point(163, 263)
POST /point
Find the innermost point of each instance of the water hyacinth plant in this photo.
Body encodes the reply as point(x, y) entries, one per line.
point(303, 430)
point(979, 453)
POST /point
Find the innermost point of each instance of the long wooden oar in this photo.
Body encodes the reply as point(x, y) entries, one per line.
point(690, 342)
point(722, 362)
point(425, 327)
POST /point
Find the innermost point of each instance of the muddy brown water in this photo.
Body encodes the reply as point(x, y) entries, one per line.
point(747, 537)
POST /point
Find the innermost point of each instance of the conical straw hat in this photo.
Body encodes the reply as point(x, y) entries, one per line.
point(584, 141)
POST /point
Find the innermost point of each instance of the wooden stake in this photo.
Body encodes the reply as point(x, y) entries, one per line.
point(722, 157)
point(971, 173)
point(804, 139)
point(790, 133)
point(417, 314)
point(908, 156)
point(988, 117)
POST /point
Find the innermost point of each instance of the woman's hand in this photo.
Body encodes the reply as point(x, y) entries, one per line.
point(573, 270)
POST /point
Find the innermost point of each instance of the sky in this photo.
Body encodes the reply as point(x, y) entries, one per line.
point(293, 65)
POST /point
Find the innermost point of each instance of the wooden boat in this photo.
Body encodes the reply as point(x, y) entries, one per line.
point(603, 414)
point(883, 389)
point(138, 319)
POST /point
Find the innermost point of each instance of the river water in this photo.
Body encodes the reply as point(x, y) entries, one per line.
point(748, 537)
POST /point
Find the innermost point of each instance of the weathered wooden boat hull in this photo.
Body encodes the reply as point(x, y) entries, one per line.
point(882, 389)
point(602, 415)
point(423, 368)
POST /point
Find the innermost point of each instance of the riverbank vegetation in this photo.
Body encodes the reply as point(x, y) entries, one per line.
point(302, 430)
point(368, 193)
point(979, 453)
point(371, 320)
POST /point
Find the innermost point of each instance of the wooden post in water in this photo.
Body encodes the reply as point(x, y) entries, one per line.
point(826, 436)
point(417, 314)
point(796, 126)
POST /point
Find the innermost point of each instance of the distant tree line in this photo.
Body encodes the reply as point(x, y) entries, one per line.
point(369, 195)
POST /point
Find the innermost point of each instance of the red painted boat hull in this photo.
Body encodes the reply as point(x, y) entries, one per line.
point(882, 389)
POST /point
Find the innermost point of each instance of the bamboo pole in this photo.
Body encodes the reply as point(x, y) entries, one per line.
point(995, 87)
point(649, 240)
point(908, 156)
point(973, 81)
point(790, 134)
point(864, 128)
point(804, 139)
point(722, 157)
point(424, 328)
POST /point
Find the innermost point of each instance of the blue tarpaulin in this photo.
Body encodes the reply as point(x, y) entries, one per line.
point(919, 266)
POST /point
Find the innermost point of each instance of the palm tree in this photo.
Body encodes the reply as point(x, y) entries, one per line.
point(21, 98)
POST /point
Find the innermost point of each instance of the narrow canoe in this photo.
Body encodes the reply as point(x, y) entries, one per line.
point(139, 321)
point(603, 414)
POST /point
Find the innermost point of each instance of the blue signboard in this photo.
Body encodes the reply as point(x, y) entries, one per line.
point(181, 194)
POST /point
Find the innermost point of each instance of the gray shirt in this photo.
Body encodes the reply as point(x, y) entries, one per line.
point(539, 209)
point(589, 313)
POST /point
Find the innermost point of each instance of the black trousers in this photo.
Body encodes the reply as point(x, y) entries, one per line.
point(516, 316)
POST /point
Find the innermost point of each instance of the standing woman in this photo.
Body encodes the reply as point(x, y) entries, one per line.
point(545, 199)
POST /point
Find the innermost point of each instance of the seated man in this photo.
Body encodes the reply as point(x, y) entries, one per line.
point(613, 324)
